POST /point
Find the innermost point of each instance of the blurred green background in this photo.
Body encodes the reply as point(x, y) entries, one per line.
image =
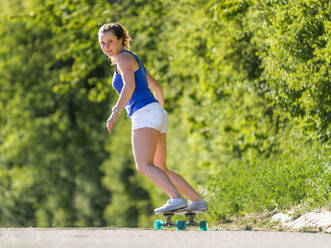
point(247, 90)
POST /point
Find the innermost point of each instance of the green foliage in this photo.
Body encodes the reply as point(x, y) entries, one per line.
point(47, 114)
point(299, 176)
point(247, 91)
point(296, 62)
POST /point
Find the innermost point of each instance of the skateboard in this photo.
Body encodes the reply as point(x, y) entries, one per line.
point(179, 224)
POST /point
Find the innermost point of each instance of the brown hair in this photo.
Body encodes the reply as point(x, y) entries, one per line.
point(119, 31)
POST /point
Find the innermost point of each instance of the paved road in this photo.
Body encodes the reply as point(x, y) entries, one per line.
point(146, 238)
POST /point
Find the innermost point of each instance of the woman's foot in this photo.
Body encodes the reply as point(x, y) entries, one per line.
point(172, 204)
point(196, 206)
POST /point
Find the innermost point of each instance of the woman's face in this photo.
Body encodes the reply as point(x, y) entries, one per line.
point(109, 43)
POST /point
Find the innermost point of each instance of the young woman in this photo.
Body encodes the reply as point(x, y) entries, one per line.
point(149, 119)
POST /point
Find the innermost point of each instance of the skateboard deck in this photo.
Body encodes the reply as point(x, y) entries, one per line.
point(179, 224)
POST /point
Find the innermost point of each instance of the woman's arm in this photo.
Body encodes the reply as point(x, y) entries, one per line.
point(126, 67)
point(156, 88)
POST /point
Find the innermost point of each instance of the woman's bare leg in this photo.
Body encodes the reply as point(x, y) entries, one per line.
point(144, 143)
point(180, 183)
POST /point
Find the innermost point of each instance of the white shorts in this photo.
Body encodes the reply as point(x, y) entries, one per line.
point(152, 115)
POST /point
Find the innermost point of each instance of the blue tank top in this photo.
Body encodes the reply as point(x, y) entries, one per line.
point(142, 94)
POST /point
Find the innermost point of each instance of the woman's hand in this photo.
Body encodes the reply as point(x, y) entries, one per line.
point(111, 121)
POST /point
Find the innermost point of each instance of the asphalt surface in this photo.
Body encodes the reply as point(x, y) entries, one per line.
point(148, 238)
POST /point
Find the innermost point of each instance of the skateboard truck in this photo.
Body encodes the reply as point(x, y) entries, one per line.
point(191, 221)
point(168, 221)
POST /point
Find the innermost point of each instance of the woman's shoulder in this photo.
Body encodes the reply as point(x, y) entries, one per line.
point(126, 58)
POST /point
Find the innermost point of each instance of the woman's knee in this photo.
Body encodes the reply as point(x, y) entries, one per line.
point(164, 169)
point(142, 168)
point(160, 165)
point(170, 173)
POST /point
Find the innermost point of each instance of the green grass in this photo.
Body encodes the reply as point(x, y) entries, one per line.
point(298, 179)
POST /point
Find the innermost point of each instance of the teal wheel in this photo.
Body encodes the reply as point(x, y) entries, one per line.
point(203, 225)
point(180, 225)
point(158, 224)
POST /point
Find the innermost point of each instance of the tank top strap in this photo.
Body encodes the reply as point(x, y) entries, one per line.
point(139, 61)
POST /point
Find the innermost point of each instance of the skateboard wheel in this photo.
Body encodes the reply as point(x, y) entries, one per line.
point(158, 224)
point(180, 225)
point(203, 225)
